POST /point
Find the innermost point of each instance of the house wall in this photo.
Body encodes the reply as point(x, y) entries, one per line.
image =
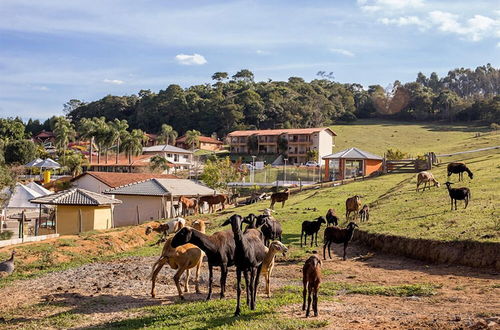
point(323, 142)
point(125, 214)
point(372, 165)
point(68, 221)
point(90, 183)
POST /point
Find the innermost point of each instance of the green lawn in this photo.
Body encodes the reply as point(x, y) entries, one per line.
point(377, 136)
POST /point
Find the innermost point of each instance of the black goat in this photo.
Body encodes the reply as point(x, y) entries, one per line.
point(459, 168)
point(458, 194)
point(311, 279)
point(271, 229)
point(364, 213)
point(249, 254)
point(331, 218)
point(310, 228)
point(338, 235)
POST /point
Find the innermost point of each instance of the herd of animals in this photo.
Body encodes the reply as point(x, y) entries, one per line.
point(252, 250)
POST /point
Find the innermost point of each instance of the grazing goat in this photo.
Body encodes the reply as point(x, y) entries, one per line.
point(426, 178)
point(268, 263)
point(213, 201)
point(364, 213)
point(352, 205)
point(280, 197)
point(459, 168)
point(164, 229)
point(249, 255)
point(311, 228)
point(271, 229)
point(7, 267)
point(338, 236)
point(458, 194)
point(219, 248)
point(188, 204)
point(311, 279)
point(331, 218)
point(182, 258)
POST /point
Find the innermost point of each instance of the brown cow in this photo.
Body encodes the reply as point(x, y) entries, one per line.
point(188, 204)
point(280, 197)
point(212, 202)
point(352, 204)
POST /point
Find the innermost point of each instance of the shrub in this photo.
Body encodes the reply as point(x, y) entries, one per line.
point(395, 154)
point(6, 235)
point(348, 117)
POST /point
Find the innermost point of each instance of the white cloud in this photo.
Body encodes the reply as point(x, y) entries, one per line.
point(195, 59)
point(41, 88)
point(389, 5)
point(113, 81)
point(475, 28)
point(341, 51)
point(404, 21)
point(262, 52)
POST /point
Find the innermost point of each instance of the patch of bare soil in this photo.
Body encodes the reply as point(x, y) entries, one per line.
point(107, 291)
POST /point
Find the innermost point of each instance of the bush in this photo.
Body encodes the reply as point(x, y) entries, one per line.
point(6, 235)
point(348, 117)
point(395, 154)
point(20, 152)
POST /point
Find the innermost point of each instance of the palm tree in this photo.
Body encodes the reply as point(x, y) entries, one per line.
point(132, 143)
point(87, 131)
point(119, 128)
point(65, 132)
point(101, 134)
point(193, 138)
point(167, 134)
point(158, 163)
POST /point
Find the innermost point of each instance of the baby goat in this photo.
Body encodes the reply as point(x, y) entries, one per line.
point(364, 213)
point(311, 279)
point(458, 194)
point(311, 228)
point(164, 229)
point(331, 218)
point(338, 235)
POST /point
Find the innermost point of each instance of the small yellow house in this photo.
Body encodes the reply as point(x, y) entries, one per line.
point(79, 210)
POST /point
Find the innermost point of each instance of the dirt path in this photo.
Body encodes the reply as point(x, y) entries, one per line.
point(107, 291)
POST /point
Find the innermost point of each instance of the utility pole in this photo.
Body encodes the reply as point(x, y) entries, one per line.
point(284, 171)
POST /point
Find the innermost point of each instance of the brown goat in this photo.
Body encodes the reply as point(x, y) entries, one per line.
point(426, 178)
point(188, 204)
point(311, 279)
point(213, 201)
point(199, 225)
point(280, 197)
point(352, 205)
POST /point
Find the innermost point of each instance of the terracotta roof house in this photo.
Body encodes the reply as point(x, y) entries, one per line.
point(299, 140)
point(153, 199)
point(124, 165)
point(44, 137)
point(206, 143)
point(352, 162)
point(102, 181)
point(78, 210)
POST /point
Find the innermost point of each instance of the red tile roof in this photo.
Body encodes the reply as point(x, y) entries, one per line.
point(281, 131)
point(44, 134)
point(115, 179)
point(204, 139)
point(141, 160)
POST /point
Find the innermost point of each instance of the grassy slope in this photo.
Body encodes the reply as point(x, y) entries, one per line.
point(377, 136)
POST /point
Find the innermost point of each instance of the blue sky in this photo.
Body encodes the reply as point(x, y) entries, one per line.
point(52, 51)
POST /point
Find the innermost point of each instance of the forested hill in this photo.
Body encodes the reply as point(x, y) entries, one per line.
point(238, 102)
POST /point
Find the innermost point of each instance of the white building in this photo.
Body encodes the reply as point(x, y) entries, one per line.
point(181, 159)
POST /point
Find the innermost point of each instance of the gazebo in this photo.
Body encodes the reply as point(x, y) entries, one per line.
point(79, 210)
point(350, 163)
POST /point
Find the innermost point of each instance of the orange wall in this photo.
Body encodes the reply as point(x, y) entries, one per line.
point(372, 165)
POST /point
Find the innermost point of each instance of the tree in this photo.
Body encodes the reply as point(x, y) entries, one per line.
point(445, 101)
point(74, 163)
point(11, 129)
point(132, 143)
point(253, 144)
point(283, 145)
point(312, 155)
point(19, 152)
point(218, 173)
point(119, 129)
point(167, 134)
point(64, 132)
point(244, 75)
point(72, 105)
point(220, 76)
point(158, 163)
point(193, 138)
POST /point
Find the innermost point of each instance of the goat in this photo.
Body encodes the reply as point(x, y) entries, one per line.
point(182, 258)
point(251, 221)
point(249, 255)
point(311, 279)
point(188, 204)
point(219, 248)
point(364, 213)
point(338, 235)
point(199, 225)
point(212, 201)
point(268, 263)
point(426, 178)
point(459, 168)
point(458, 194)
point(164, 229)
point(331, 218)
point(352, 205)
point(271, 229)
point(7, 267)
point(280, 197)
point(310, 228)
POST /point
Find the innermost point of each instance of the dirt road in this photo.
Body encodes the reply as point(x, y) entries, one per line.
point(98, 293)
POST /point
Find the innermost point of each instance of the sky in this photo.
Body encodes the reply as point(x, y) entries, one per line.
point(52, 51)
